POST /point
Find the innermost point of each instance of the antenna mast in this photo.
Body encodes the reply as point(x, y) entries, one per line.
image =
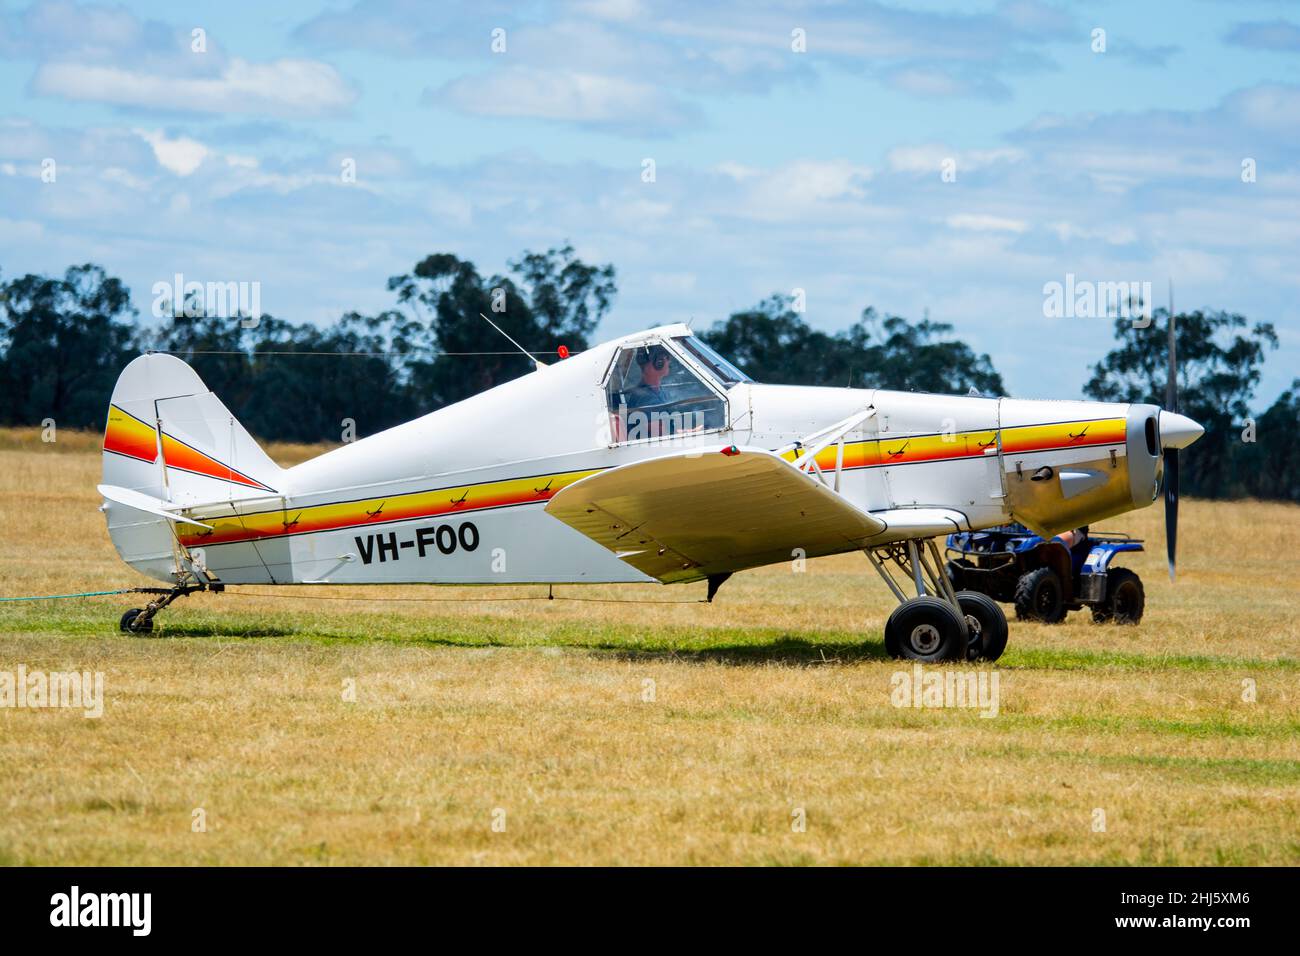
point(536, 362)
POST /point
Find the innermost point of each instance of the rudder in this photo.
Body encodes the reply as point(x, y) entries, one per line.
point(170, 438)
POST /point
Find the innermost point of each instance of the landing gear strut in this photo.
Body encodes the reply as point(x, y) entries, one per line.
point(938, 624)
point(139, 620)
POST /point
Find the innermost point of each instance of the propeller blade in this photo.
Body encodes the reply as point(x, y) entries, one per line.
point(1171, 508)
point(1171, 454)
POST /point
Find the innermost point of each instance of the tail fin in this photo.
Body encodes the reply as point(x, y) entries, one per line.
point(171, 439)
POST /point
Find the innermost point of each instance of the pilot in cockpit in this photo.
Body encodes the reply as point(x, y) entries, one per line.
point(654, 362)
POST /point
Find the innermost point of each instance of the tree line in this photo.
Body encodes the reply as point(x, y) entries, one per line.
point(64, 339)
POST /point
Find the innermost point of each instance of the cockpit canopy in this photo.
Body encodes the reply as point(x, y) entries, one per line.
point(664, 387)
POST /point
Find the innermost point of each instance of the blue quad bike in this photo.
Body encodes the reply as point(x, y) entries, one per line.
point(1044, 578)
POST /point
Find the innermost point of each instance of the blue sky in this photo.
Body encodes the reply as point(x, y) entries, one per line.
point(774, 169)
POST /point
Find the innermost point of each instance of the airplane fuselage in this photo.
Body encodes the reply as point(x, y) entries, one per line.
point(458, 496)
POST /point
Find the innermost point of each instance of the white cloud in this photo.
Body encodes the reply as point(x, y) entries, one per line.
point(818, 180)
point(181, 155)
point(287, 87)
point(632, 66)
point(825, 191)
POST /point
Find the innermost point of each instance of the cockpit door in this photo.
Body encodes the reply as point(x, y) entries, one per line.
point(654, 391)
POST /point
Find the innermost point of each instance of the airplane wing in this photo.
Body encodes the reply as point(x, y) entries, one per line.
point(683, 517)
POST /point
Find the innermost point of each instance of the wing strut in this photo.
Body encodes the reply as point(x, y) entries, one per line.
point(808, 448)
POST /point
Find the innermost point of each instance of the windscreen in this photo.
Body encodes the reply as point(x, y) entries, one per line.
point(652, 394)
point(721, 369)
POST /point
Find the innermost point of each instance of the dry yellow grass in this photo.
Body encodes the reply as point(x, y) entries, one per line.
point(771, 700)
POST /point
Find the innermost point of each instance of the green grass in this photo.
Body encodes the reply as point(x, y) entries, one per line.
point(775, 697)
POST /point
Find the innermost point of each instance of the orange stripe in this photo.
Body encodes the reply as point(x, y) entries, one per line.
point(465, 499)
point(958, 445)
point(127, 435)
point(179, 455)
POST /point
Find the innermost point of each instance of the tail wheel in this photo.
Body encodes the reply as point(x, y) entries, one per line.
point(1125, 598)
point(1040, 597)
point(926, 629)
point(132, 624)
point(986, 625)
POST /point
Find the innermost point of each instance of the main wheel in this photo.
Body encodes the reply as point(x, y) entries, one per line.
point(1125, 598)
point(1040, 597)
point(986, 624)
point(926, 629)
point(131, 625)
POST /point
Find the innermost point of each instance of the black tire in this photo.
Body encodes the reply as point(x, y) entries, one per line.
point(926, 629)
point(1040, 597)
point(1125, 601)
point(986, 624)
point(130, 625)
point(891, 642)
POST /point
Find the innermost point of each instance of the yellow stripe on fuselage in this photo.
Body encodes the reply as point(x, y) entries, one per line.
point(945, 446)
point(467, 499)
point(455, 500)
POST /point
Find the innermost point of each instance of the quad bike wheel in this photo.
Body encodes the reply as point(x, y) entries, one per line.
point(1125, 598)
point(1040, 597)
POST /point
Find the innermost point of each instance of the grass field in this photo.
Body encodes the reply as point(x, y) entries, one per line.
point(498, 732)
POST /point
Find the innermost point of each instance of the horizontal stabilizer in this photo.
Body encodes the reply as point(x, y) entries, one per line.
point(683, 517)
point(145, 503)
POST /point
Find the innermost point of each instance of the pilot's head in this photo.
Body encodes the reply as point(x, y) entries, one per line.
point(653, 360)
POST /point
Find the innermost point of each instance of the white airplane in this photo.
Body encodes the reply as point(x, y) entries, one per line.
point(648, 458)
